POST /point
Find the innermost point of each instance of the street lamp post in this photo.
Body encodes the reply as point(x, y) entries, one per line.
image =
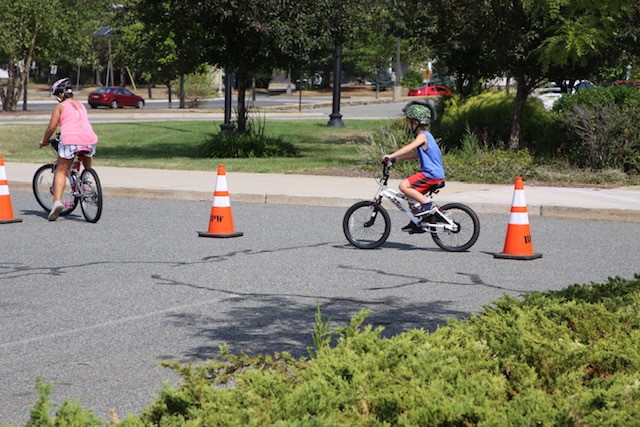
point(79, 62)
point(106, 32)
point(335, 116)
point(227, 126)
point(110, 65)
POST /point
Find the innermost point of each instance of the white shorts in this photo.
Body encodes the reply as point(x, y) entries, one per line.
point(69, 151)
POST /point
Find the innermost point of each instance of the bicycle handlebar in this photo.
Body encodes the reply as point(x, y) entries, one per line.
point(387, 162)
point(53, 143)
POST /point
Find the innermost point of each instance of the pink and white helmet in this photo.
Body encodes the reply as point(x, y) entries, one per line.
point(62, 86)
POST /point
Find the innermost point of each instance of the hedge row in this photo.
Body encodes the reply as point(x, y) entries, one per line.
point(570, 357)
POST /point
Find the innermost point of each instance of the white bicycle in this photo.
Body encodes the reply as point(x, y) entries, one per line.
point(81, 187)
point(454, 227)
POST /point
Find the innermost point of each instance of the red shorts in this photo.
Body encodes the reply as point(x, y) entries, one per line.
point(422, 182)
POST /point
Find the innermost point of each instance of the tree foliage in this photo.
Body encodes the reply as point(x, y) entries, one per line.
point(55, 30)
point(529, 40)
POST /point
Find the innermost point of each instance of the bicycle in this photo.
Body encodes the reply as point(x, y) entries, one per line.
point(454, 227)
point(82, 188)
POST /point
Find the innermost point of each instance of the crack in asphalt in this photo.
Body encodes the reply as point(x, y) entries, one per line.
point(15, 270)
point(475, 279)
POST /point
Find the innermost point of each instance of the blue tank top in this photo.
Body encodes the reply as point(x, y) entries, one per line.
point(431, 158)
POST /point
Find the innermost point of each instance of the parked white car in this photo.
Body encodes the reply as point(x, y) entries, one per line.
point(548, 94)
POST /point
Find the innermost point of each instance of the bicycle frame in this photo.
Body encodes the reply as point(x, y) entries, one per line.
point(398, 199)
point(74, 170)
point(83, 186)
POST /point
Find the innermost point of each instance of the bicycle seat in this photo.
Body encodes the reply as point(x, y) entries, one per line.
point(435, 188)
point(82, 151)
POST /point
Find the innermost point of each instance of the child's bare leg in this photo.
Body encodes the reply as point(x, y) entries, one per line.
point(86, 162)
point(409, 191)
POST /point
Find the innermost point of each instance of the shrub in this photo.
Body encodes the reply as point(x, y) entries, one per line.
point(253, 143)
point(568, 357)
point(412, 78)
point(68, 414)
point(489, 116)
point(197, 87)
point(601, 126)
point(387, 140)
point(560, 358)
point(473, 161)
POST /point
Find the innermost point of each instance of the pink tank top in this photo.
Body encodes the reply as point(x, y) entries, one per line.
point(75, 128)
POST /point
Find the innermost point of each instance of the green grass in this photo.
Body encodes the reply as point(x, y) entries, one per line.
point(175, 145)
point(322, 150)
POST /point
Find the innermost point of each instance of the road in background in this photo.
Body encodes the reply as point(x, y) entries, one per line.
point(319, 108)
point(95, 308)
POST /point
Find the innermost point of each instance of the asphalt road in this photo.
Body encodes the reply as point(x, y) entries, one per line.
point(262, 100)
point(94, 308)
point(314, 108)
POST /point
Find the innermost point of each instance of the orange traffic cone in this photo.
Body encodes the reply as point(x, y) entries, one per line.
point(518, 243)
point(6, 210)
point(220, 220)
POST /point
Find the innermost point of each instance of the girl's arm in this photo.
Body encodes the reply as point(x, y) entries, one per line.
point(53, 125)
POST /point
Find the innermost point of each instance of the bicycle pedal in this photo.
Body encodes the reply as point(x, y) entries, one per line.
point(417, 231)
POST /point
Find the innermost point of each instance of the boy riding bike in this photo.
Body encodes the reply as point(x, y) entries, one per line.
point(425, 149)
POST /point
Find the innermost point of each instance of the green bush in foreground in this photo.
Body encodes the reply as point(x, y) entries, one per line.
point(569, 357)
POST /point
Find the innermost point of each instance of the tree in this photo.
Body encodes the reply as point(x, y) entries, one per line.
point(529, 40)
point(247, 38)
point(34, 29)
point(561, 37)
point(175, 37)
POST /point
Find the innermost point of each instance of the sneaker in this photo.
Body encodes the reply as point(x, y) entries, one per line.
point(55, 210)
point(413, 228)
point(426, 209)
point(410, 227)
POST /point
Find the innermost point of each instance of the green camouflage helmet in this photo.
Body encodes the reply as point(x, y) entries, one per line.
point(418, 111)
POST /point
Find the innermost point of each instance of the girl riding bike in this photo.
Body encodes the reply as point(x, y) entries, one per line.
point(76, 135)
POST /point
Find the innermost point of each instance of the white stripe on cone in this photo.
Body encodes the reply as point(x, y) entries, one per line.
point(221, 184)
point(518, 199)
point(519, 218)
point(221, 202)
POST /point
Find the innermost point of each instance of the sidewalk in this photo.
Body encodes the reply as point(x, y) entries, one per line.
point(619, 204)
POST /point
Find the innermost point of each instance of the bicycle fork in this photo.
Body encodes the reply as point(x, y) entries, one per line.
point(375, 203)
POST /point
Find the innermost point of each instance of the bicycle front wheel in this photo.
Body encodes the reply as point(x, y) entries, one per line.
point(42, 185)
point(366, 225)
point(467, 228)
point(90, 195)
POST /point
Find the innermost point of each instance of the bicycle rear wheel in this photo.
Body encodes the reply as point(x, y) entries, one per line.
point(467, 232)
point(42, 185)
point(366, 225)
point(90, 195)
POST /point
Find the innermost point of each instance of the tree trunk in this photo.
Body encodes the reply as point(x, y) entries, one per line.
point(242, 110)
point(169, 93)
point(182, 95)
point(11, 95)
point(521, 99)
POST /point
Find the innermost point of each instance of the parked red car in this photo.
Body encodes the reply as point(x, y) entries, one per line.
point(114, 97)
point(634, 83)
point(430, 90)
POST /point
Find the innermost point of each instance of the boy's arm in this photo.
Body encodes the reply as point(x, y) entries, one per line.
point(409, 150)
